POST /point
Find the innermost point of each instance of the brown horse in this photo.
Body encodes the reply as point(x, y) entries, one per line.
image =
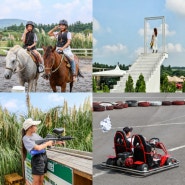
point(56, 69)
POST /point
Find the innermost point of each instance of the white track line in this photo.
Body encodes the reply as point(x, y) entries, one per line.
point(144, 126)
point(101, 173)
point(176, 148)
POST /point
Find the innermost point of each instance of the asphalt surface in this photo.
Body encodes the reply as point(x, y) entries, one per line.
point(164, 122)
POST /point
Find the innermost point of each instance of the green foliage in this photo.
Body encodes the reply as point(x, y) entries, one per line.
point(10, 43)
point(76, 27)
point(172, 71)
point(106, 89)
point(94, 85)
point(140, 84)
point(98, 65)
point(167, 86)
point(44, 40)
point(10, 144)
point(129, 85)
point(183, 87)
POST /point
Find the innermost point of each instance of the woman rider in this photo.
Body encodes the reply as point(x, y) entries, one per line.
point(29, 39)
point(63, 43)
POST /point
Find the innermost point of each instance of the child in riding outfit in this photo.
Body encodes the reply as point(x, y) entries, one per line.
point(63, 43)
point(29, 39)
point(38, 152)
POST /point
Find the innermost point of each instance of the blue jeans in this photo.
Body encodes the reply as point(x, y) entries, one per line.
point(73, 67)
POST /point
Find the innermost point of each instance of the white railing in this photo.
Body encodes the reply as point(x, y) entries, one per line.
point(76, 51)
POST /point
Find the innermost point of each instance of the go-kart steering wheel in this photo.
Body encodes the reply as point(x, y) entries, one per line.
point(153, 141)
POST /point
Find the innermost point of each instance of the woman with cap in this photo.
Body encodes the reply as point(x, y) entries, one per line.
point(29, 39)
point(38, 152)
point(63, 43)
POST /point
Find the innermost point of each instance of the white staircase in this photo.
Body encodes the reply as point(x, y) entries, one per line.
point(147, 64)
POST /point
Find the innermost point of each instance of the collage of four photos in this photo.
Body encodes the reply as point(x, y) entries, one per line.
point(92, 92)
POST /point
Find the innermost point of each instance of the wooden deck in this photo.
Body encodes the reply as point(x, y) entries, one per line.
point(80, 162)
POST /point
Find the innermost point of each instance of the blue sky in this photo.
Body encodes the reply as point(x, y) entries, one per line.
point(47, 11)
point(16, 102)
point(118, 29)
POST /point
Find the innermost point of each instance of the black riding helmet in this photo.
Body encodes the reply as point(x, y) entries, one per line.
point(63, 22)
point(30, 23)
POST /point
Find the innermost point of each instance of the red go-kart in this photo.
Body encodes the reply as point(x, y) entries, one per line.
point(139, 157)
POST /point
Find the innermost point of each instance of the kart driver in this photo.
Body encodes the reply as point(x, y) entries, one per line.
point(128, 132)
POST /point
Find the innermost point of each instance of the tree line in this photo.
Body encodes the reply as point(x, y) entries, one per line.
point(75, 27)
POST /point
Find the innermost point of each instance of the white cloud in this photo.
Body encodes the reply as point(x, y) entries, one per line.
point(55, 98)
point(27, 10)
point(150, 30)
point(177, 6)
point(94, 42)
point(82, 10)
point(11, 104)
point(138, 51)
point(116, 48)
point(174, 48)
point(110, 50)
point(96, 25)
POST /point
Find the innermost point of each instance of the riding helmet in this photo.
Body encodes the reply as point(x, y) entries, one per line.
point(30, 23)
point(63, 22)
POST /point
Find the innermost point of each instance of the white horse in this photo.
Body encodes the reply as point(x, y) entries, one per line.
point(20, 62)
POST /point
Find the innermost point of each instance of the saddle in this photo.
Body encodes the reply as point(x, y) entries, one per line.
point(66, 59)
point(33, 56)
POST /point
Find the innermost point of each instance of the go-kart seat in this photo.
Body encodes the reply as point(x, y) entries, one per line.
point(121, 144)
point(142, 150)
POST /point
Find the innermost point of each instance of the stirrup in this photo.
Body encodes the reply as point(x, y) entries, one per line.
point(40, 68)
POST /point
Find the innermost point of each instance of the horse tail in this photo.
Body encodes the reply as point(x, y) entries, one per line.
point(80, 73)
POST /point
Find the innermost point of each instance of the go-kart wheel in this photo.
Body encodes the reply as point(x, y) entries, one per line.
point(169, 161)
point(143, 167)
point(111, 161)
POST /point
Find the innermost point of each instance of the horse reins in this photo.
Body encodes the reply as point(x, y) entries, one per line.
point(50, 68)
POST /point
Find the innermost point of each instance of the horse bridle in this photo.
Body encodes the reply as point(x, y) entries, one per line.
point(50, 68)
point(14, 71)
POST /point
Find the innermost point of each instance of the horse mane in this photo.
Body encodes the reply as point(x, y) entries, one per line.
point(15, 48)
point(48, 51)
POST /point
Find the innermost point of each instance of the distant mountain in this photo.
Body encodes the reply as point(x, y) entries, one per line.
point(10, 22)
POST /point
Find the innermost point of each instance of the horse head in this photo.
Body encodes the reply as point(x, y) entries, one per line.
point(11, 64)
point(49, 60)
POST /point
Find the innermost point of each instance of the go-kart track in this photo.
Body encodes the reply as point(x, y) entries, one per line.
point(164, 122)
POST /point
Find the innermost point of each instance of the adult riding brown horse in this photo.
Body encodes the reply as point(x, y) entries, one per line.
point(56, 69)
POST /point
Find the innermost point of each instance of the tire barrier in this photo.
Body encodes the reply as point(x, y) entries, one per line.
point(102, 106)
point(118, 106)
point(98, 108)
point(125, 105)
point(177, 102)
point(131, 103)
point(143, 104)
point(155, 103)
point(166, 103)
point(107, 105)
point(95, 103)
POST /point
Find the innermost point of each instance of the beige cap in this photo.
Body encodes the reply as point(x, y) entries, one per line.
point(29, 122)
